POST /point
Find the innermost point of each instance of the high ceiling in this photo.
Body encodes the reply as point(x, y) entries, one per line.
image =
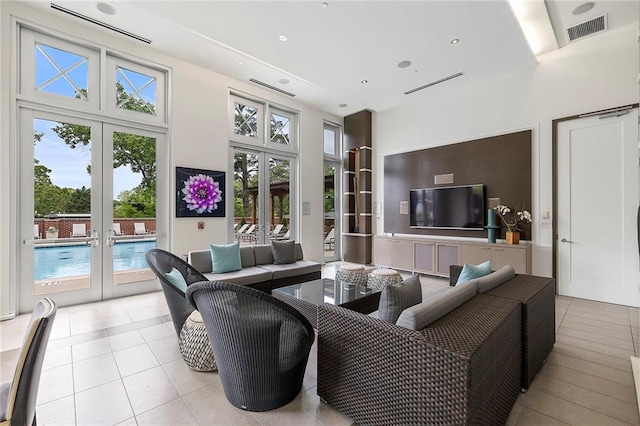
point(332, 48)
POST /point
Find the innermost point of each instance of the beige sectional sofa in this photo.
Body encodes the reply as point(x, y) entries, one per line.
point(258, 268)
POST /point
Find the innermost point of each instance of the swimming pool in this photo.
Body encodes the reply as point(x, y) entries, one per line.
point(74, 260)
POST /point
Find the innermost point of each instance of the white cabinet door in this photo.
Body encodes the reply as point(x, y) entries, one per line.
point(501, 256)
point(403, 255)
point(448, 255)
point(475, 255)
point(382, 251)
point(424, 259)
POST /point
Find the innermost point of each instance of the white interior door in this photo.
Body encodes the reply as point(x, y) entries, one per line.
point(597, 250)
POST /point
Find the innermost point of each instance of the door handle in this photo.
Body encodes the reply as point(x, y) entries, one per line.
point(95, 239)
point(564, 240)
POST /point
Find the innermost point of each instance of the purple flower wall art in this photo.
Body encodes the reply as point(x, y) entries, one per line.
point(199, 193)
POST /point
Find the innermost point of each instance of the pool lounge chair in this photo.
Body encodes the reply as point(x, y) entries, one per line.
point(276, 231)
point(330, 240)
point(116, 229)
point(139, 229)
point(79, 230)
point(36, 232)
point(247, 233)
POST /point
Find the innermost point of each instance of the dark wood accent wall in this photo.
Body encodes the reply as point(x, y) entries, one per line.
point(357, 245)
point(501, 163)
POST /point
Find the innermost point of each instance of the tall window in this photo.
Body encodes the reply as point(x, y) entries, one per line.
point(92, 197)
point(332, 173)
point(265, 145)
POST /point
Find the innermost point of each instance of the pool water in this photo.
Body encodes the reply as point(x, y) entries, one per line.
point(74, 260)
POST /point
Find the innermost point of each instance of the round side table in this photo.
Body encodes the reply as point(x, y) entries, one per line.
point(354, 274)
point(380, 278)
point(195, 346)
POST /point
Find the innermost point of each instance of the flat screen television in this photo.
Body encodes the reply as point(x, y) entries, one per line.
point(451, 207)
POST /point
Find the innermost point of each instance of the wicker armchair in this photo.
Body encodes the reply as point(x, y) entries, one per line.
point(18, 397)
point(160, 262)
point(261, 344)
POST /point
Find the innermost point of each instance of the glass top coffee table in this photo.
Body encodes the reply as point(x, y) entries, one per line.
point(306, 297)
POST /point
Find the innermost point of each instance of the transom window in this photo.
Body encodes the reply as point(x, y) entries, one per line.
point(64, 73)
point(253, 119)
point(245, 120)
point(61, 72)
point(135, 91)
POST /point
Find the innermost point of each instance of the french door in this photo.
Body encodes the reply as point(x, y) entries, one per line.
point(92, 201)
point(263, 196)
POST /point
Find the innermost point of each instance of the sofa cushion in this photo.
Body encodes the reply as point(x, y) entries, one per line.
point(396, 298)
point(176, 278)
point(246, 256)
point(494, 279)
point(201, 260)
point(225, 258)
point(283, 252)
point(263, 254)
point(470, 272)
point(433, 307)
point(300, 267)
point(245, 276)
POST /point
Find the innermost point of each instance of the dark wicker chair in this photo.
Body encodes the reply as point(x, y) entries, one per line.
point(160, 262)
point(261, 344)
point(19, 397)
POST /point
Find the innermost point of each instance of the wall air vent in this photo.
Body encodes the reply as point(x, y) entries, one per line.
point(433, 83)
point(99, 23)
point(268, 86)
point(587, 28)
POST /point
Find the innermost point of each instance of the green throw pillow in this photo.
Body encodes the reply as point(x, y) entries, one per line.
point(470, 272)
point(176, 278)
point(225, 258)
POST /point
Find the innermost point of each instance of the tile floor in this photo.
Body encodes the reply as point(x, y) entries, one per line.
point(117, 362)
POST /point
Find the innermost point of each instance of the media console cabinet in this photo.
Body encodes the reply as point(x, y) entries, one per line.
point(433, 256)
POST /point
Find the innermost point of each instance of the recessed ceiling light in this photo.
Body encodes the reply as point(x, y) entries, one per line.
point(584, 7)
point(283, 81)
point(342, 105)
point(404, 64)
point(105, 8)
point(455, 41)
point(364, 81)
point(283, 38)
point(325, 4)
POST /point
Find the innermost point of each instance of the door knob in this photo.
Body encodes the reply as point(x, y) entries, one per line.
point(564, 240)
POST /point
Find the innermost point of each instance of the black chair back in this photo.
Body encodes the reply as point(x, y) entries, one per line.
point(261, 344)
point(23, 389)
point(161, 261)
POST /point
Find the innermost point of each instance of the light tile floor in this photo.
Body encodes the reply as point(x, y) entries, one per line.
point(117, 362)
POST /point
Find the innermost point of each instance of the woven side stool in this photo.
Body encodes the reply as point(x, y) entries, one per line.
point(195, 346)
point(380, 278)
point(354, 274)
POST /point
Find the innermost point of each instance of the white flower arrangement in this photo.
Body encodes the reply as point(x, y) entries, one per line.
point(512, 221)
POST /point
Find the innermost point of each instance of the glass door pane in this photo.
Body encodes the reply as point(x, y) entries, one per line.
point(279, 199)
point(246, 185)
point(331, 231)
point(130, 209)
point(60, 172)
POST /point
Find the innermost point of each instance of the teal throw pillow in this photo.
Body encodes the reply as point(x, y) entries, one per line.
point(176, 278)
point(225, 258)
point(470, 272)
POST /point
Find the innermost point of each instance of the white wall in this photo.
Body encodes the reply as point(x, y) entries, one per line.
point(198, 138)
point(594, 74)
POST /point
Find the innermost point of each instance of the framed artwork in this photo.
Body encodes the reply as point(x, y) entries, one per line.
point(199, 193)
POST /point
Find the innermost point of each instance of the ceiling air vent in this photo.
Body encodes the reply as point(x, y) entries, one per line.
point(589, 27)
point(99, 23)
point(268, 86)
point(433, 83)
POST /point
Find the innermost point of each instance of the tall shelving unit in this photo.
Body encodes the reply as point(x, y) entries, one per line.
point(357, 157)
